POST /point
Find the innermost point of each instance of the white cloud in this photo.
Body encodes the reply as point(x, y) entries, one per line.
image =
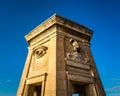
point(116, 79)
point(113, 95)
point(9, 81)
point(113, 89)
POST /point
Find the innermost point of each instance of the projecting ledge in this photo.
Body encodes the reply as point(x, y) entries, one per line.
point(77, 64)
point(79, 78)
point(36, 79)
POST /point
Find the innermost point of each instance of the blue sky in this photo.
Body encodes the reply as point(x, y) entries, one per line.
point(19, 17)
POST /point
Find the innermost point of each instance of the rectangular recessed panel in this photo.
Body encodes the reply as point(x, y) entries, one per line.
point(79, 71)
point(77, 64)
point(35, 80)
point(81, 79)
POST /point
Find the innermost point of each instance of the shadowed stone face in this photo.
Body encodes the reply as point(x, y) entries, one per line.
point(75, 45)
point(59, 61)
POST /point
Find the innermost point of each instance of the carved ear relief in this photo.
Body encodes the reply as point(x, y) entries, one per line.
point(40, 51)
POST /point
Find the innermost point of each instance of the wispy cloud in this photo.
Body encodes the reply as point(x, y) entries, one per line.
point(116, 79)
point(6, 82)
point(113, 89)
point(9, 81)
point(113, 95)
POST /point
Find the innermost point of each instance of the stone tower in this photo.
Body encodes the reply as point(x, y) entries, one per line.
point(59, 61)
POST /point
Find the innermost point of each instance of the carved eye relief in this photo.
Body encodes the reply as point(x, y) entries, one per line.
point(39, 52)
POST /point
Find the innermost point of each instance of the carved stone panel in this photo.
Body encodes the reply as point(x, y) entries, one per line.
point(76, 51)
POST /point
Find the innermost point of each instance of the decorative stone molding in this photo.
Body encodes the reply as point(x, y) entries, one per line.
point(58, 20)
point(79, 78)
point(40, 51)
point(77, 64)
point(39, 29)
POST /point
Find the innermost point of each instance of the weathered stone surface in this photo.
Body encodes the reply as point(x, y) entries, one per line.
point(81, 79)
point(59, 61)
point(77, 64)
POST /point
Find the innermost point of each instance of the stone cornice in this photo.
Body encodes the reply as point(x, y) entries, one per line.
point(39, 29)
point(56, 19)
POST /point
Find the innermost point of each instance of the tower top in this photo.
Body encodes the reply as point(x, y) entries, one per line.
point(59, 20)
point(59, 61)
